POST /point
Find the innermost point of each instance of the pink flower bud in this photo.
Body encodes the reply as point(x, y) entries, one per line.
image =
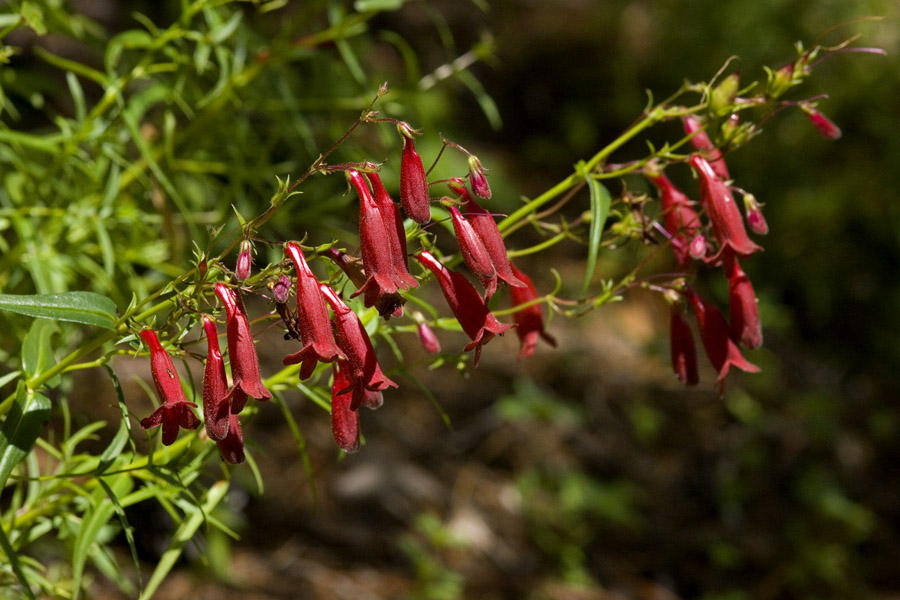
point(701, 142)
point(755, 219)
point(723, 213)
point(244, 261)
point(697, 249)
point(826, 128)
point(281, 289)
point(746, 328)
point(344, 420)
point(468, 307)
point(721, 350)
point(426, 335)
point(477, 179)
point(413, 186)
point(684, 353)
point(312, 319)
point(529, 321)
point(215, 386)
point(241, 351)
point(365, 372)
point(174, 411)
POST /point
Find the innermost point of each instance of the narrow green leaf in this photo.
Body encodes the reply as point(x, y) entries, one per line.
point(34, 17)
point(377, 5)
point(37, 349)
point(77, 95)
point(301, 446)
point(127, 529)
point(183, 535)
point(95, 519)
point(13, 558)
point(600, 201)
point(26, 418)
point(86, 308)
point(224, 31)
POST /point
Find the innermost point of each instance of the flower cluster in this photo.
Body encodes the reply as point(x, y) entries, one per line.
point(328, 329)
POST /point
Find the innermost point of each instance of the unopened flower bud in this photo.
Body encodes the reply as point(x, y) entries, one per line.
point(826, 128)
point(426, 335)
point(245, 259)
point(697, 247)
point(413, 185)
point(755, 219)
point(281, 289)
point(477, 179)
point(722, 97)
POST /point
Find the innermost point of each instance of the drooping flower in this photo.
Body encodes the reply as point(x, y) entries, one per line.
point(231, 447)
point(414, 197)
point(216, 407)
point(241, 351)
point(680, 220)
point(396, 234)
point(825, 126)
point(473, 252)
point(312, 319)
point(174, 410)
point(344, 420)
point(467, 305)
point(723, 212)
point(428, 338)
point(350, 335)
point(477, 179)
point(388, 305)
point(715, 334)
point(486, 229)
point(746, 328)
point(701, 142)
point(684, 353)
point(379, 246)
point(529, 321)
point(244, 261)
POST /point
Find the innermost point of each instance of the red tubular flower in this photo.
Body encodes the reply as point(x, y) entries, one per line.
point(344, 420)
point(746, 328)
point(231, 447)
point(244, 261)
point(468, 307)
point(825, 126)
point(700, 141)
point(723, 213)
point(175, 411)
point(215, 386)
point(477, 179)
point(529, 321)
point(684, 353)
point(364, 372)
point(721, 350)
point(681, 221)
point(413, 186)
point(396, 234)
point(241, 351)
point(473, 252)
point(429, 340)
point(486, 228)
point(312, 319)
point(388, 305)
